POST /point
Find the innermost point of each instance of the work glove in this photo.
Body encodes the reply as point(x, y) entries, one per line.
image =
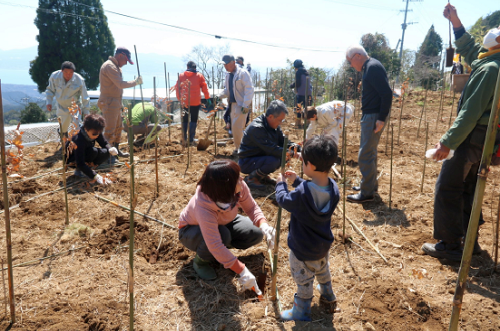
point(270, 234)
point(102, 180)
point(209, 102)
point(138, 81)
point(248, 281)
point(113, 151)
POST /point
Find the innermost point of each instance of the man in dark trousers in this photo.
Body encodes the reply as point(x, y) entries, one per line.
point(301, 88)
point(376, 101)
point(456, 183)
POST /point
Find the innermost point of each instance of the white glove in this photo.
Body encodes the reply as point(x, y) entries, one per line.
point(138, 81)
point(102, 180)
point(113, 151)
point(270, 233)
point(248, 281)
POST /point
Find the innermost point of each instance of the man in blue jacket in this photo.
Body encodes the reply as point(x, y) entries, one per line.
point(376, 101)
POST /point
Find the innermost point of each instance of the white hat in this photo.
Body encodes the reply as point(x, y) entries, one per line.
point(490, 39)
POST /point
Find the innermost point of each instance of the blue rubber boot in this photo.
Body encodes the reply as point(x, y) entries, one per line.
point(326, 292)
point(301, 310)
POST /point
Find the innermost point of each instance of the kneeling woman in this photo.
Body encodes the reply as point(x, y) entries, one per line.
point(210, 224)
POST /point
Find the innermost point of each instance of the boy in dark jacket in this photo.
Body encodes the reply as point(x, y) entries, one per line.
point(311, 205)
point(81, 149)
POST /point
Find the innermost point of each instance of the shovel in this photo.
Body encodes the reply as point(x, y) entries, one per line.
point(204, 143)
point(450, 51)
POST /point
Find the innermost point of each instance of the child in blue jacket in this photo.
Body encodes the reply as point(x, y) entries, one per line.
point(311, 205)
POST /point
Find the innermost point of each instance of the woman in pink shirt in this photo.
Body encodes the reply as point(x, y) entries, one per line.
point(210, 224)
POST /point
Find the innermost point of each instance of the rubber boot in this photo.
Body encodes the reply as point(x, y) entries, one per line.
point(326, 292)
point(120, 153)
point(301, 310)
point(254, 180)
point(192, 131)
point(203, 269)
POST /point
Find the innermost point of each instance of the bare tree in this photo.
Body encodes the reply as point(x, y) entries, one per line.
point(207, 58)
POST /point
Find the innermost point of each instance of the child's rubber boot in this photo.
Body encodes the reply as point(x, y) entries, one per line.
point(326, 292)
point(301, 310)
point(203, 269)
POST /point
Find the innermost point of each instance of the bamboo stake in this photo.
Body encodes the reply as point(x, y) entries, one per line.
point(401, 116)
point(497, 235)
point(188, 143)
point(476, 208)
point(156, 139)
point(274, 290)
point(45, 258)
point(392, 155)
point(451, 111)
point(135, 211)
point(215, 113)
point(344, 154)
point(4, 290)
point(425, 159)
point(440, 106)
point(8, 238)
point(423, 108)
point(167, 100)
point(140, 88)
point(387, 124)
point(304, 117)
point(132, 206)
point(63, 143)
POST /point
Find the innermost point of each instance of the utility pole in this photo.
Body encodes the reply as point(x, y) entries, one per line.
point(404, 25)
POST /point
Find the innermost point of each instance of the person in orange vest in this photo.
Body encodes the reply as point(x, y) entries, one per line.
point(194, 103)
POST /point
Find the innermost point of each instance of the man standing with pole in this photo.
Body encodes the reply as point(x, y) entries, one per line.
point(376, 101)
point(455, 186)
point(110, 100)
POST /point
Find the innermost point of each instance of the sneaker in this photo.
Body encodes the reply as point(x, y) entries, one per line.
point(442, 250)
point(359, 198)
point(79, 173)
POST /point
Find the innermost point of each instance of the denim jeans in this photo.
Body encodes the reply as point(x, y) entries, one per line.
point(266, 164)
point(367, 157)
point(241, 233)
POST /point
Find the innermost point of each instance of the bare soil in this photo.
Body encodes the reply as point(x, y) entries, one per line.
point(86, 289)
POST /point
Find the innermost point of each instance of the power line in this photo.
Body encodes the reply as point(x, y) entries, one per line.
point(363, 5)
point(179, 28)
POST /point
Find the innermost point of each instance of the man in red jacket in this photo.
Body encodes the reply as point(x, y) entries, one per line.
point(183, 92)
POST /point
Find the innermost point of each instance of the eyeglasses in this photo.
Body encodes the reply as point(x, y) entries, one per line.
point(352, 57)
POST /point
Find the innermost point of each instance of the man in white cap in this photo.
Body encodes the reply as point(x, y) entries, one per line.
point(455, 186)
point(110, 100)
point(66, 85)
point(239, 91)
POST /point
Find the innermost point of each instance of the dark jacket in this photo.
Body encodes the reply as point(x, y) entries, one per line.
point(300, 82)
point(309, 236)
point(376, 96)
point(83, 144)
point(259, 139)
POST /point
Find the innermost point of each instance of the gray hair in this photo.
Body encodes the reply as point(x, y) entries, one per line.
point(355, 49)
point(276, 108)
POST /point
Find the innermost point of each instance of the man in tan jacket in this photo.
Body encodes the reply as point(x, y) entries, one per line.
point(110, 100)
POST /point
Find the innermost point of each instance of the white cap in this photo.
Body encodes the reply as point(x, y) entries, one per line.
point(490, 39)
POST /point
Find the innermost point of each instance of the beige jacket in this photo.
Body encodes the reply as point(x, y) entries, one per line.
point(111, 81)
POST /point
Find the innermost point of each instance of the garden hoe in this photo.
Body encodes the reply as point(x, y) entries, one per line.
point(204, 143)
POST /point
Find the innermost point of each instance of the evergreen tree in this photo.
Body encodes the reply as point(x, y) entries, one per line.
point(71, 31)
point(377, 46)
point(33, 114)
point(428, 59)
point(432, 44)
point(483, 25)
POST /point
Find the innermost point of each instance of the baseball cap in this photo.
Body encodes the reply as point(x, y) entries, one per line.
point(124, 51)
point(191, 65)
point(226, 59)
point(297, 63)
point(240, 58)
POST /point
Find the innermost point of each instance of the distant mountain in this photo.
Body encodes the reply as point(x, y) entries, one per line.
point(16, 97)
point(15, 64)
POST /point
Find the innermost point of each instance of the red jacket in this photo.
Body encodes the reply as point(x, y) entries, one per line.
point(197, 82)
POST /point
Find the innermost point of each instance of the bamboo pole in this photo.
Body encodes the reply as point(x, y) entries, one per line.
point(274, 290)
point(156, 138)
point(4, 289)
point(476, 209)
point(132, 206)
point(440, 106)
point(167, 98)
point(8, 239)
point(135, 212)
point(401, 116)
point(140, 88)
point(392, 155)
point(188, 134)
point(451, 111)
point(425, 159)
point(215, 113)
point(344, 154)
point(423, 109)
point(387, 124)
point(497, 232)
point(304, 117)
point(63, 143)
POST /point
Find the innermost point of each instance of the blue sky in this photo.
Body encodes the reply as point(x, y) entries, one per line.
point(318, 24)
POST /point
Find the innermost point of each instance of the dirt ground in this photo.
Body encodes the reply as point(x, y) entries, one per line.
point(86, 289)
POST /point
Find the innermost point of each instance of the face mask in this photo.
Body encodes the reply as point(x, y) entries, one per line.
point(489, 40)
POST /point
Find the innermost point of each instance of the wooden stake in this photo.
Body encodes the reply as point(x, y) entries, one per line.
point(215, 114)
point(423, 108)
point(392, 155)
point(475, 214)
point(497, 232)
point(451, 111)
point(4, 289)
point(401, 116)
point(140, 88)
point(63, 143)
point(440, 106)
point(274, 290)
point(344, 154)
point(188, 143)
point(156, 138)
point(167, 98)
point(425, 159)
point(6, 208)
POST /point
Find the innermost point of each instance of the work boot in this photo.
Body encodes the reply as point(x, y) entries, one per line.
point(359, 198)
point(203, 269)
point(301, 310)
point(79, 173)
point(443, 250)
point(326, 292)
point(268, 181)
point(120, 153)
point(254, 180)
